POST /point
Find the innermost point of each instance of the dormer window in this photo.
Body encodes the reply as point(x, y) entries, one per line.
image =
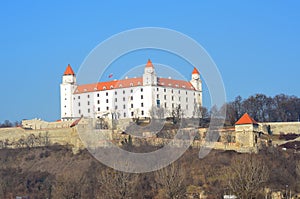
point(111, 87)
point(104, 87)
point(131, 84)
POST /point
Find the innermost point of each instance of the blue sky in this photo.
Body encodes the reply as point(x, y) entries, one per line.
point(255, 44)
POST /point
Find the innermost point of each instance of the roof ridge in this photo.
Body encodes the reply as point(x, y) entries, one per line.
point(246, 119)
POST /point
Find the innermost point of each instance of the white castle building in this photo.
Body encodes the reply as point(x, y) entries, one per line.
point(146, 96)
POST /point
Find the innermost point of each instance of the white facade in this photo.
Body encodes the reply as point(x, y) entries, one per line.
point(146, 96)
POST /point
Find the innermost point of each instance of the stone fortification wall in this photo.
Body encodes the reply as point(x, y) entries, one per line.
point(277, 128)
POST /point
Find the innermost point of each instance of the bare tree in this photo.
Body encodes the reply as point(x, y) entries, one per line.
point(171, 180)
point(177, 114)
point(247, 175)
point(116, 184)
point(298, 169)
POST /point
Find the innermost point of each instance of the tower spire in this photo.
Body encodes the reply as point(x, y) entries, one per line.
point(195, 71)
point(149, 63)
point(69, 70)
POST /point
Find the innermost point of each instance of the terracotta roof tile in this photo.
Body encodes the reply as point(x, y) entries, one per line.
point(69, 70)
point(195, 71)
point(132, 82)
point(149, 64)
point(246, 119)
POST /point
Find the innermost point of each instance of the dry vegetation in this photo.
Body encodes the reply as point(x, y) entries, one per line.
point(54, 172)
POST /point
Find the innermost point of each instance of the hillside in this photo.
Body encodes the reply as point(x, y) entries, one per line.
point(54, 172)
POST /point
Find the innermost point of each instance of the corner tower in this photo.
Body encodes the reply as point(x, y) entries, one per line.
point(196, 81)
point(149, 76)
point(67, 88)
point(197, 84)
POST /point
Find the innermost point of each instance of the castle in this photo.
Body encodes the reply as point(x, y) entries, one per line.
point(142, 97)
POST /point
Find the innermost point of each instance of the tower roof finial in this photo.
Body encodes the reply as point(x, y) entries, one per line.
point(195, 71)
point(69, 70)
point(149, 63)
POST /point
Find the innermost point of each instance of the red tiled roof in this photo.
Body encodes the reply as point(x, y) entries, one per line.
point(246, 119)
point(175, 83)
point(149, 64)
point(195, 71)
point(132, 82)
point(69, 70)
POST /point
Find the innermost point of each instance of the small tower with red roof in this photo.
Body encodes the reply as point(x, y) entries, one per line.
point(149, 76)
point(67, 88)
point(246, 129)
point(196, 81)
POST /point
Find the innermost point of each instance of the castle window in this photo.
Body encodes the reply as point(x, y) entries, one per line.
point(187, 99)
point(111, 87)
point(178, 98)
point(107, 108)
point(131, 84)
point(88, 96)
point(98, 108)
point(131, 105)
point(172, 105)
point(142, 112)
point(88, 103)
point(106, 93)
point(142, 97)
point(187, 107)
point(165, 90)
point(65, 98)
point(78, 103)
point(88, 110)
point(132, 114)
point(123, 91)
point(165, 104)
point(98, 95)
point(116, 92)
point(186, 92)
point(157, 89)
point(116, 107)
point(120, 85)
point(165, 97)
point(124, 106)
point(116, 99)
point(178, 91)
point(172, 98)
point(78, 97)
point(157, 96)
point(79, 111)
point(124, 114)
point(98, 101)
point(106, 100)
point(123, 99)
point(131, 91)
point(141, 89)
point(131, 97)
point(172, 91)
point(142, 104)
